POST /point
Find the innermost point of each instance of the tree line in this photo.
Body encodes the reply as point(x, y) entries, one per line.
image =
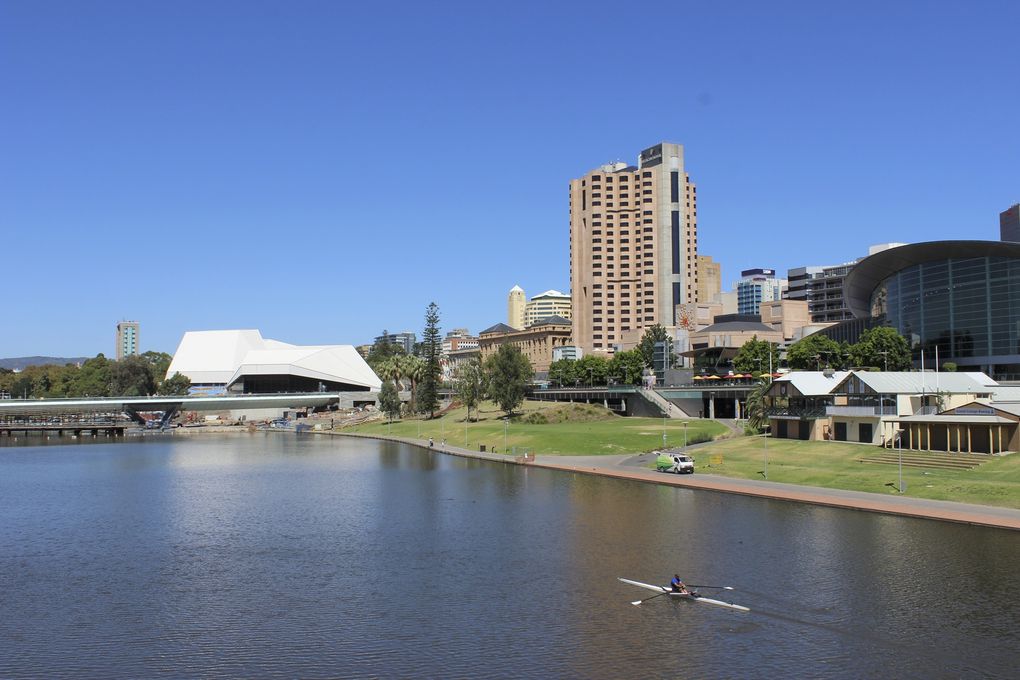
point(133, 376)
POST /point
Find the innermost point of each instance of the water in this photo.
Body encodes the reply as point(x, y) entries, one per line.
point(275, 555)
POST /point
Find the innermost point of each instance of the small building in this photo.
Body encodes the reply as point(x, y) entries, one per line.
point(975, 427)
point(536, 342)
point(869, 404)
point(797, 403)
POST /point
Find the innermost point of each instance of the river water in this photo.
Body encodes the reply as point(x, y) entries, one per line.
point(280, 555)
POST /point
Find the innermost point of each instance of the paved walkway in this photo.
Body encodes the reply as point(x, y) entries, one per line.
point(635, 468)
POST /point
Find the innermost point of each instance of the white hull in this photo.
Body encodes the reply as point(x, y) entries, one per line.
point(685, 596)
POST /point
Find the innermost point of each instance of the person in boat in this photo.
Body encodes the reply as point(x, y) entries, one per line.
point(678, 586)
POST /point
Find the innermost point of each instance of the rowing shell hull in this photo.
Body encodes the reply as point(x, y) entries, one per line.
point(684, 596)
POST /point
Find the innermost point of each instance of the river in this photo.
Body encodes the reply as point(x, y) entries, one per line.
point(281, 555)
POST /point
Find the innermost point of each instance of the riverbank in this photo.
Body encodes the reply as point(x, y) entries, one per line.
point(635, 468)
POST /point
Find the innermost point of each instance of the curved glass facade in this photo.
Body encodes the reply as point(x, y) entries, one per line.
point(967, 307)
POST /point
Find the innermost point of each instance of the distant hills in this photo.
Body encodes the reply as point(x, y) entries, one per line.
point(20, 363)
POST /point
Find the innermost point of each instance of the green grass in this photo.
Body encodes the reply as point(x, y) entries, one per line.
point(835, 465)
point(581, 437)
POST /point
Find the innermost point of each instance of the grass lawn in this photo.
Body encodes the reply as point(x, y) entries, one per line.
point(613, 434)
point(835, 465)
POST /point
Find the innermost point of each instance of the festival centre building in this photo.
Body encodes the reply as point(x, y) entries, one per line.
point(242, 361)
point(961, 297)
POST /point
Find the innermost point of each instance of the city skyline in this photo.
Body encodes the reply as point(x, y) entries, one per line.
point(240, 167)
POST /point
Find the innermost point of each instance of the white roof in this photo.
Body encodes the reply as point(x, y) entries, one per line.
point(814, 383)
point(552, 294)
point(222, 357)
point(516, 289)
point(914, 382)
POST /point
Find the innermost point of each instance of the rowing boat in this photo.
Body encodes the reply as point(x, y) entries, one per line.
point(685, 596)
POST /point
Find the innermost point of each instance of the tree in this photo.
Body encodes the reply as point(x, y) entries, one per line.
point(92, 380)
point(653, 335)
point(413, 368)
point(563, 372)
point(949, 367)
point(470, 385)
point(592, 369)
point(382, 351)
point(813, 352)
point(627, 367)
point(176, 385)
point(432, 345)
point(754, 355)
point(882, 346)
point(508, 372)
point(160, 362)
point(131, 377)
point(754, 407)
point(389, 400)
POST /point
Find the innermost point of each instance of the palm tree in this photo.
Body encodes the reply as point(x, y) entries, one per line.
point(413, 368)
point(754, 408)
point(391, 369)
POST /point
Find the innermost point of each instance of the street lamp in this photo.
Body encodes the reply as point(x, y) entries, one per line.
point(685, 434)
point(899, 445)
point(506, 425)
point(885, 356)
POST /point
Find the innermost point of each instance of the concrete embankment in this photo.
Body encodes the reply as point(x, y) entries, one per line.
point(635, 468)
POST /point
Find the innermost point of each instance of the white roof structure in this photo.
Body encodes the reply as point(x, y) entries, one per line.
point(814, 383)
point(913, 382)
point(224, 357)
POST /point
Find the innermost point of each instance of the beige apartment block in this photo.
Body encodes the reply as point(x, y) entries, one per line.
point(633, 247)
point(544, 305)
point(709, 279)
point(515, 304)
point(786, 316)
point(537, 343)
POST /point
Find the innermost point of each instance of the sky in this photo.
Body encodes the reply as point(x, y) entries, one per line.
point(322, 171)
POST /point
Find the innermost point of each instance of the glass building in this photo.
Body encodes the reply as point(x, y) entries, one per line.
point(959, 297)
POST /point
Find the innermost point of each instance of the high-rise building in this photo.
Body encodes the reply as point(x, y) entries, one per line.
point(1009, 224)
point(822, 289)
point(403, 340)
point(544, 305)
point(633, 247)
point(755, 287)
point(709, 279)
point(515, 308)
point(127, 339)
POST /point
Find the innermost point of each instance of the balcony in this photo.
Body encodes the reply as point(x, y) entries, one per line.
point(796, 412)
point(860, 411)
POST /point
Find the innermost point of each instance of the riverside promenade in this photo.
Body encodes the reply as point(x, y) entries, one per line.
point(635, 467)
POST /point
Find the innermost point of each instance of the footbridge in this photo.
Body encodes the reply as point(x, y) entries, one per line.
point(113, 414)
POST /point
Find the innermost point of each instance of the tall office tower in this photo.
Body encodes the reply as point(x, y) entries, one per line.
point(709, 279)
point(755, 287)
point(633, 247)
point(515, 308)
point(544, 305)
point(1009, 224)
point(127, 339)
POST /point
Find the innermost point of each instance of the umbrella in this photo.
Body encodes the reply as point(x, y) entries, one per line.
point(698, 377)
point(713, 377)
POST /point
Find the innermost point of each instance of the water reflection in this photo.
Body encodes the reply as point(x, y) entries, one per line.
point(263, 555)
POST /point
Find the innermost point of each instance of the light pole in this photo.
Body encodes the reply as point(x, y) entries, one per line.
point(685, 434)
point(506, 425)
point(899, 445)
point(885, 356)
point(663, 430)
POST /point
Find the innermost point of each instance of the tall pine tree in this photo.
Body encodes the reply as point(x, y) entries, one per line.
point(431, 349)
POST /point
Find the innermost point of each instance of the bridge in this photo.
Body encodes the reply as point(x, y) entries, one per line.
point(114, 414)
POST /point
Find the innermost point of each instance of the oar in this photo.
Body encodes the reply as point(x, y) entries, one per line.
point(665, 592)
point(692, 585)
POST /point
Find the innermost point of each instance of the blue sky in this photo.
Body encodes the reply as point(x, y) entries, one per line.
point(324, 170)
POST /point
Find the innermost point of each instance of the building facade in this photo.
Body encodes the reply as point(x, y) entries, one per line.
point(633, 246)
point(1009, 224)
point(515, 305)
point(755, 287)
point(822, 289)
point(544, 305)
point(709, 279)
point(403, 340)
point(537, 343)
point(954, 301)
point(128, 339)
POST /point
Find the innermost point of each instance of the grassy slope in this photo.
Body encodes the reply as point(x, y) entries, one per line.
point(613, 435)
point(835, 465)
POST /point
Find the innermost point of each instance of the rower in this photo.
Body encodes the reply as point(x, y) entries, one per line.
point(677, 585)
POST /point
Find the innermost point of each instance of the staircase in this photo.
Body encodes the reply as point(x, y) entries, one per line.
point(929, 460)
point(666, 407)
